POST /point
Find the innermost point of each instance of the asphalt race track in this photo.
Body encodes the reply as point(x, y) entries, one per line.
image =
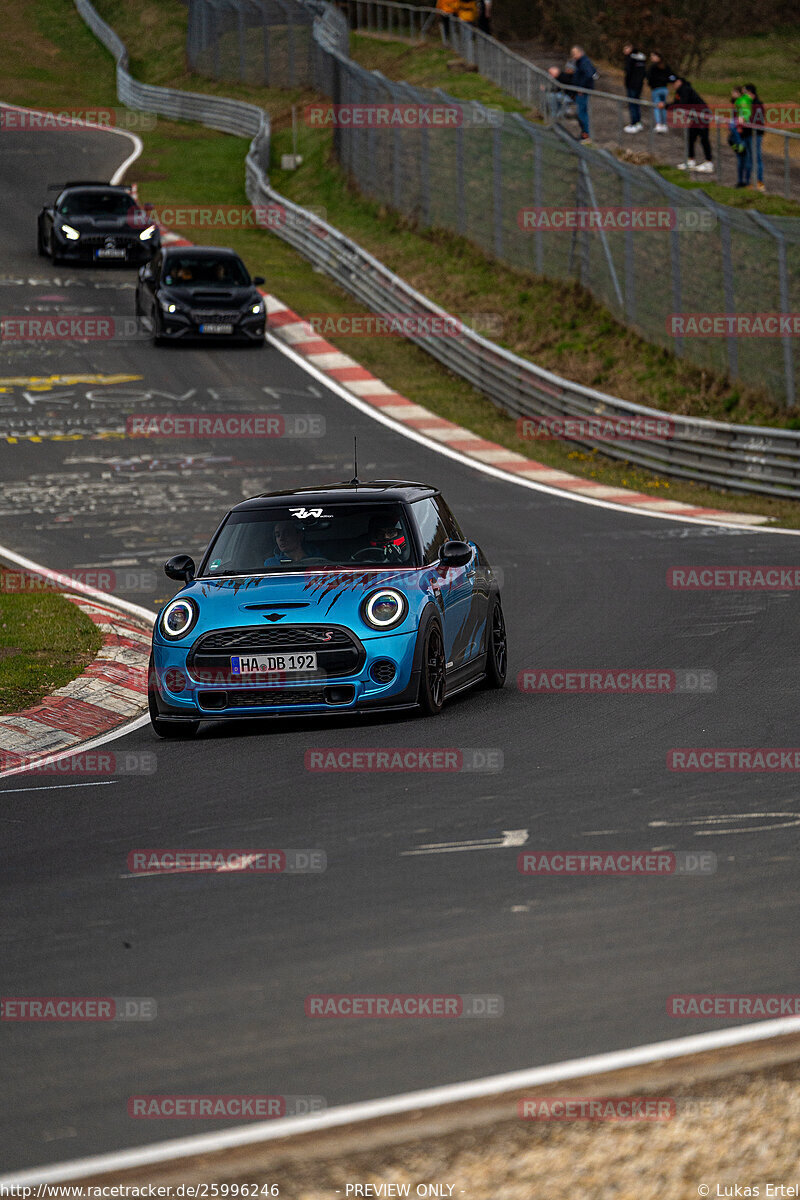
point(584, 965)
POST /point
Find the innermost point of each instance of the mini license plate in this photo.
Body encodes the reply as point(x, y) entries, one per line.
point(216, 329)
point(265, 664)
point(117, 252)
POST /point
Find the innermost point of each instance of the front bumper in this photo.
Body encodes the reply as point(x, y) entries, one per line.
point(183, 327)
point(178, 696)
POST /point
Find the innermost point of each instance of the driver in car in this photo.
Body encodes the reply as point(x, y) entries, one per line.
point(385, 534)
point(290, 545)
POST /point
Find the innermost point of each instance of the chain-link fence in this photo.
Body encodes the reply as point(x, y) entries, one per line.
point(263, 42)
point(533, 197)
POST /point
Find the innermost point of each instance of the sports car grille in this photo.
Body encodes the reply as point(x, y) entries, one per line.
point(338, 652)
point(92, 240)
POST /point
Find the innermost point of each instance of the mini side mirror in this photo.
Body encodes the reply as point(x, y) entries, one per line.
point(455, 554)
point(258, 280)
point(180, 567)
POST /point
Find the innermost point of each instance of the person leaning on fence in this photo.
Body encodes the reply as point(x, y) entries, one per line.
point(635, 68)
point(557, 101)
point(693, 115)
point(659, 76)
point(584, 74)
point(446, 10)
point(743, 109)
point(758, 119)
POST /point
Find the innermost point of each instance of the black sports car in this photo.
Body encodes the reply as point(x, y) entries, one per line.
point(200, 292)
point(96, 222)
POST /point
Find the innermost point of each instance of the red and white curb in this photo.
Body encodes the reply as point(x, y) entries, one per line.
point(345, 371)
point(111, 691)
point(297, 333)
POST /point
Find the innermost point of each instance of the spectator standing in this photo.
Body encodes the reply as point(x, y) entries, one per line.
point(696, 118)
point(758, 120)
point(743, 107)
point(635, 70)
point(659, 77)
point(467, 11)
point(485, 16)
point(446, 10)
point(584, 74)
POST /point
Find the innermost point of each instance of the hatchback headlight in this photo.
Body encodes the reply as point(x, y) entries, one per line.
point(70, 233)
point(178, 617)
point(169, 306)
point(384, 609)
point(258, 308)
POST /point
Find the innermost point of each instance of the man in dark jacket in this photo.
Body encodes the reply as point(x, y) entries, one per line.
point(584, 74)
point(689, 111)
point(635, 66)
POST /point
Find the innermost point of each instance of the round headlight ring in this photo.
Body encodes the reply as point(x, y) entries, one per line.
point(385, 608)
point(178, 618)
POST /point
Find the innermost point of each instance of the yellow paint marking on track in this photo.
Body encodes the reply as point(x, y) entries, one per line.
point(45, 382)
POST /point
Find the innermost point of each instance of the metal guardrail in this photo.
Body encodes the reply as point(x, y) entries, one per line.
point(738, 457)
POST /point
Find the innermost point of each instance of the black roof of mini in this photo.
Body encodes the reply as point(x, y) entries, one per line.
point(369, 490)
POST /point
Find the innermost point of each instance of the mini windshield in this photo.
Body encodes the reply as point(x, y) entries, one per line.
point(96, 204)
point(315, 537)
point(195, 270)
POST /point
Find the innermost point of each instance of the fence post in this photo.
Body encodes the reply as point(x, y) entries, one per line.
point(497, 178)
point(461, 214)
point(630, 265)
point(242, 44)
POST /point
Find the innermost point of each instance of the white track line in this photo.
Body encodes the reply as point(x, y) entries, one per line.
point(137, 141)
point(415, 435)
point(349, 1114)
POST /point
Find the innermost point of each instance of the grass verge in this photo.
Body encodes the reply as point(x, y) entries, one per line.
point(557, 325)
point(45, 641)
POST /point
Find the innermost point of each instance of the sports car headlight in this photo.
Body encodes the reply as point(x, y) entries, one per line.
point(70, 233)
point(384, 608)
point(178, 618)
point(146, 234)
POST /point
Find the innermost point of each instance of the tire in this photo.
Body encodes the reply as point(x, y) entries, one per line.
point(496, 646)
point(172, 731)
point(432, 679)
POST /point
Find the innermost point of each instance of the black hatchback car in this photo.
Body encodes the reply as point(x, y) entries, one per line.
point(93, 222)
point(204, 292)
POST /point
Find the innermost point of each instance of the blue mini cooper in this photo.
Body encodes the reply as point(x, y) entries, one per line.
point(351, 598)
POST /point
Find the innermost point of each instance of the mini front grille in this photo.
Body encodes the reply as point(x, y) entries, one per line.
point(338, 652)
point(248, 639)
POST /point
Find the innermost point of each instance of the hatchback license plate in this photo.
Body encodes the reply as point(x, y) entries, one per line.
point(265, 664)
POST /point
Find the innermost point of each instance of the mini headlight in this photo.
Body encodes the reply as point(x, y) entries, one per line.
point(146, 234)
point(384, 608)
point(70, 233)
point(178, 618)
